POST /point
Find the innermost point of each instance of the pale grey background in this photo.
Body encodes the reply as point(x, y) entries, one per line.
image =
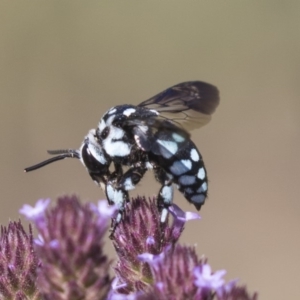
point(64, 63)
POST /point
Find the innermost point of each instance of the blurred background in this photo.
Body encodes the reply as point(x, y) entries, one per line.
point(64, 63)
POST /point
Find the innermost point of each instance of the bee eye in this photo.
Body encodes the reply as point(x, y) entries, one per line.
point(105, 133)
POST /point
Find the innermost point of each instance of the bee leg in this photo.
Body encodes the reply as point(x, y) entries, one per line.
point(118, 197)
point(165, 195)
point(132, 177)
point(117, 190)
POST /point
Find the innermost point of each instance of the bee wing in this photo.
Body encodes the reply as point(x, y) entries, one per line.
point(188, 104)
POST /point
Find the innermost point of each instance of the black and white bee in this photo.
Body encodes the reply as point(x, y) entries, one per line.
point(152, 135)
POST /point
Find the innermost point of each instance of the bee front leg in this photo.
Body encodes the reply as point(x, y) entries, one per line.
point(118, 186)
point(117, 197)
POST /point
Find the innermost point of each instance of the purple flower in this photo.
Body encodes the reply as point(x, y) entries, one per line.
point(151, 264)
point(18, 263)
point(142, 232)
point(180, 216)
point(207, 281)
point(232, 292)
point(105, 210)
point(70, 248)
point(172, 272)
point(154, 260)
point(34, 213)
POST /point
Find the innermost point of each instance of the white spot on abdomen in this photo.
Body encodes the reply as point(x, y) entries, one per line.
point(178, 138)
point(181, 166)
point(201, 173)
point(194, 155)
point(188, 191)
point(187, 180)
point(198, 198)
point(168, 148)
point(202, 188)
point(187, 163)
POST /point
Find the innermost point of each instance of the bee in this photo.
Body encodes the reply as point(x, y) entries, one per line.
point(151, 135)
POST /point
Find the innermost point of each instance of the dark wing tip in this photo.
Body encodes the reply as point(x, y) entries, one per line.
point(209, 96)
point(196, 95)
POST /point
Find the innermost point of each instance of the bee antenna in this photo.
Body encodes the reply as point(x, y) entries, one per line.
point(62, 154)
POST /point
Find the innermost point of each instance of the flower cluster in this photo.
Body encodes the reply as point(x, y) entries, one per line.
point(18, 263)
point(67, 260)
point(141, 233)
point(152, 265)
point(70, 249)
